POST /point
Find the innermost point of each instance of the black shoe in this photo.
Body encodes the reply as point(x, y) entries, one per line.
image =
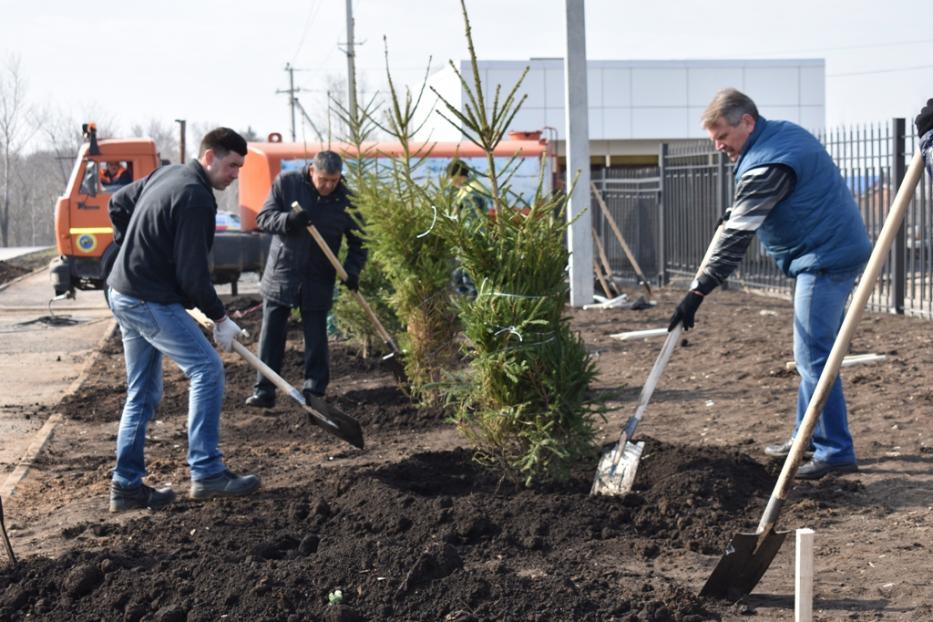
point(816, 469)
point(312, 397)
point(782, 450)
point(224, 484)
point(139, 497)
point(258, 400)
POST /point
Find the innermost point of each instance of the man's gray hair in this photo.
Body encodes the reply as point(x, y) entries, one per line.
point(327, 162)
point(728, 104)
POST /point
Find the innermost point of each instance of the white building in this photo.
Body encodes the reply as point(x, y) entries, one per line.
point(634, 105)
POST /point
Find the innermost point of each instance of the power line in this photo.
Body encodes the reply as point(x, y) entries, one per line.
point(312, 13)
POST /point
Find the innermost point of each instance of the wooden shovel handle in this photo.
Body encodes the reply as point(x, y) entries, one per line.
point(854, 314)
point(342, 274)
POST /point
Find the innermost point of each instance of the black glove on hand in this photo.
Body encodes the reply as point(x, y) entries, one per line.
point(924, 120)
point(353, 282)
point(296, 221)
point(686, 310)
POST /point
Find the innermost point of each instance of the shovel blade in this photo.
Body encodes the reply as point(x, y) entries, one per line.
point(394, 364)
point(743, 564)
point(334, 421)
point(617, 478)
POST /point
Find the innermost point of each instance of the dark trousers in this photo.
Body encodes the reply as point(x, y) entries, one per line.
point(272, 347)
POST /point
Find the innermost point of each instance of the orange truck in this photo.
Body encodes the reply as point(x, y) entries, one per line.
point(84, 234)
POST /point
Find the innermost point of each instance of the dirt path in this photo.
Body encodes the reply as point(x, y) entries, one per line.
point(409, 529)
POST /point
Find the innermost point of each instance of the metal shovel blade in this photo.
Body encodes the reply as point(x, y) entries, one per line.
point(333, 420)
point(617, 477)
point(392, 362)
point(743, 564)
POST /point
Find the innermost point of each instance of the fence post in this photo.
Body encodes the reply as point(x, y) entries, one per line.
point(898, 249)
point(662, 254)
point(722, 189)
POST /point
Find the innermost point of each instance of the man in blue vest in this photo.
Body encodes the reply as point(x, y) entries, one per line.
point(790, 192)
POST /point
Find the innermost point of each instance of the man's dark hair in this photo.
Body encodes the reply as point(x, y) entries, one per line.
point(223, 140)
point(328, 162)
point(458, 168)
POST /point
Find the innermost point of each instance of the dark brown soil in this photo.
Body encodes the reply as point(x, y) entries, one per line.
point(8, 272)
point(412, 529)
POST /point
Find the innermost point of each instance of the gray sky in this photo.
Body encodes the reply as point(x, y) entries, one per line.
point(221, 62)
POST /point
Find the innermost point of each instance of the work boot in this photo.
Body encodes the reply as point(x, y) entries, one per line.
point(311, 397)
point(782, 450)
point(260, 400)
point(224, 484)
point(139, 497)
point(816, 469)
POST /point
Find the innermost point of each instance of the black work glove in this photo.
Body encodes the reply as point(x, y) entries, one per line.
point(296, 221)
point(924, 120)
point(353, 282)
point(686, 310)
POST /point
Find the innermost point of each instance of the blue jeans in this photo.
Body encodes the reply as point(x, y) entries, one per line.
point(819, 308)
point(151, 330)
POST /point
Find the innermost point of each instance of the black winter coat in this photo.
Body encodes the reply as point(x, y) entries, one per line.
point(297, 272)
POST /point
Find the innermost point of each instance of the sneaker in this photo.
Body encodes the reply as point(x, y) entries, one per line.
point(224, 484)
point(258, 400)
point(816, 469)
point(139, 497)
point(782, 450)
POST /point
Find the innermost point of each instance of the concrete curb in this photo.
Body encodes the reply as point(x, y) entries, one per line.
point(42, 437)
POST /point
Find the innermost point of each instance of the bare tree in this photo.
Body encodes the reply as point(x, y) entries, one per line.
point(15, 132)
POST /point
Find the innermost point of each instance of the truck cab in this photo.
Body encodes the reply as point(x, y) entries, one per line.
point(83, 232)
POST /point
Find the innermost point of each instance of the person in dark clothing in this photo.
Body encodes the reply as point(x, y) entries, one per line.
point(789, 193)
point(924, 122)
point(164, 226)
point(114, 174)
point(298, 274)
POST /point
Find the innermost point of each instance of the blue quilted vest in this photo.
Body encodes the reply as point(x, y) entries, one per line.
point(817, 227)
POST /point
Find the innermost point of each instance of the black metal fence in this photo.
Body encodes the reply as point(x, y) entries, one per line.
point(668, 214)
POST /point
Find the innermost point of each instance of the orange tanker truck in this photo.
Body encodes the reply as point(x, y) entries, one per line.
point(84, 234)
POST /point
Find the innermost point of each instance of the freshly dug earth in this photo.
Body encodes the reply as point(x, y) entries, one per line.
point(23, 264)
point(412, 529)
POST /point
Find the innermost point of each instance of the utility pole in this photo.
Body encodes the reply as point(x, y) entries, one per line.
point(181, 140)
point(351, 65)
point(291, 90)
point(579, 238)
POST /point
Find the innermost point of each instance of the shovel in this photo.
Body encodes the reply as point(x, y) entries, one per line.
point(392, 360)
point(749, 554)
point(6, 538)
point(618, 464)
point(320, 412)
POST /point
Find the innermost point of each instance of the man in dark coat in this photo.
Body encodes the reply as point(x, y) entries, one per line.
point(297, 272)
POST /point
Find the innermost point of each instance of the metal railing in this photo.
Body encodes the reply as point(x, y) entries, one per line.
point(668, 214)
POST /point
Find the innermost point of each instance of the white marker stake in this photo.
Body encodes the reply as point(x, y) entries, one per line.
point(803, 584)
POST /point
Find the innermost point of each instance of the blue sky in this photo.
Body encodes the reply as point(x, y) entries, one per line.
point(221, 62)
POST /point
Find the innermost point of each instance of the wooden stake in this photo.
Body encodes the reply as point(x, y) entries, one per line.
point(847, 361)
point(604, 260)
point(602, 280)
point(640, 334)
point(621, 240)
point(803, 583)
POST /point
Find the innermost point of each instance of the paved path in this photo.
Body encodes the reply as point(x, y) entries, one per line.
point(39, 360)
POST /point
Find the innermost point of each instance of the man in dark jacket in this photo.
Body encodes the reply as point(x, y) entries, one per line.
point(297, 272)
point(164, 225)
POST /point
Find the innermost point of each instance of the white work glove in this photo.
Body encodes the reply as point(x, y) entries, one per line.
point(225, 333)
